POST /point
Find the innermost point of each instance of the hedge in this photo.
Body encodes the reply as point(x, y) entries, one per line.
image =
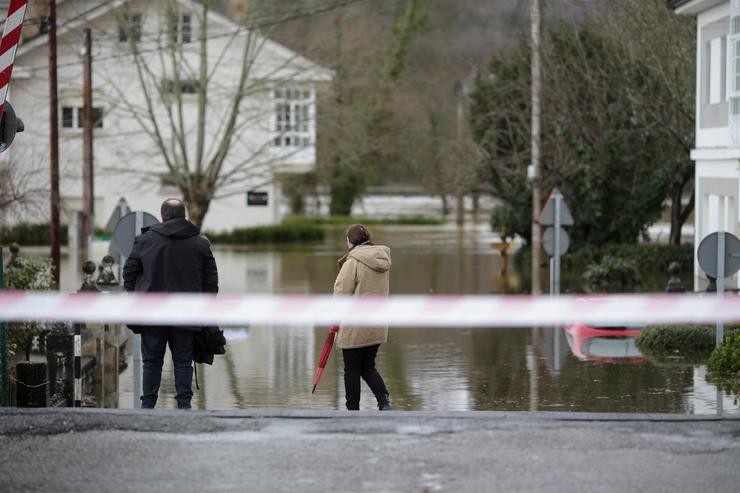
point(30, 234)
point(287, 232)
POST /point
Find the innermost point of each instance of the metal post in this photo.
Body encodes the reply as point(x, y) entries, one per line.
point(720, 334)
point(536, 137)
point(73, 243)
point(556, 257)
point(53, 142)
point(88, 197)
point(139, 223)
point(5, 395)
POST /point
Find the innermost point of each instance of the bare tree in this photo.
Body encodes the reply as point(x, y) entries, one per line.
point(202, 94)
point(24, 184)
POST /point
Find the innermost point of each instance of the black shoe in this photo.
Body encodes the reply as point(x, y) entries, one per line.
point(384, 403)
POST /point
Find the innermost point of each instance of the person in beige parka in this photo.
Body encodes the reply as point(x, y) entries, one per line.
point(364, 271)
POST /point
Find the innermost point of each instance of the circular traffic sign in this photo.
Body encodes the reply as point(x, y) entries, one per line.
point(122, 240)
point(707, 255)
point(548, 241)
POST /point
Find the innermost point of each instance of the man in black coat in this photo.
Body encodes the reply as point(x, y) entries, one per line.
point(166, 258)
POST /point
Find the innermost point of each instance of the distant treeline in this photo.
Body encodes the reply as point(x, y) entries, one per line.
point(30, 234)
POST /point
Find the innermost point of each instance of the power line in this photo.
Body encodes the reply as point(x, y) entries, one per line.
point(268, 21)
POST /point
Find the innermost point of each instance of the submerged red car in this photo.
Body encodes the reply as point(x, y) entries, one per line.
point(604, 344)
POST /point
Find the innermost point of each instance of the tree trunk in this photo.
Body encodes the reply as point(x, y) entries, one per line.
point(679, 214)
point(197, 203)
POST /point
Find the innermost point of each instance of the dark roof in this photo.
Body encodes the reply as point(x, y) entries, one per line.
point(674, 4)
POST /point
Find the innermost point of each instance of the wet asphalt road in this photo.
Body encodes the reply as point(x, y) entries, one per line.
point(302, 451)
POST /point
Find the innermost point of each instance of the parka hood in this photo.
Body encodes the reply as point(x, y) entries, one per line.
point(376, 257)
point(176, 228)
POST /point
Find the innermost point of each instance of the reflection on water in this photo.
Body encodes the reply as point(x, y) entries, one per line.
point(604, 344)
point(548, 369)
point(441, 369)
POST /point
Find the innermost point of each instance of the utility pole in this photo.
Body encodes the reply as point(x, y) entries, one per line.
point(54, 142)
point(533, 173)
point(4, 381)
point(88, 197)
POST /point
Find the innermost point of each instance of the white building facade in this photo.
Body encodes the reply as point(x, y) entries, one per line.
point(274, 128)
point(717, 148)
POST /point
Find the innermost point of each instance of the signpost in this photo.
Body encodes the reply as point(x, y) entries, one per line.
point(120, 210)
point(719, 257)
point(127, 229)
point(555, 239)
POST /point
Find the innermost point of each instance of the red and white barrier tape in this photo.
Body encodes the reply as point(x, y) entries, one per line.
point(397, 311)
point(9, 44)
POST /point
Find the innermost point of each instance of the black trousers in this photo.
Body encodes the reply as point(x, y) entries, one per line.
point(360, 362)
point(153, 345)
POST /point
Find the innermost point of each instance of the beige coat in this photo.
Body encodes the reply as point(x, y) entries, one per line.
point(364, 272)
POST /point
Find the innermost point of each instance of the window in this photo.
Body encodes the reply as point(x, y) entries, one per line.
point(130, 27)
point(187, 86)
point(716, 76)
point(72, 117)
point(292, 117)
point(68, 117)
point(182, 28)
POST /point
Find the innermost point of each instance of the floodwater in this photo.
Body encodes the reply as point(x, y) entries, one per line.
point(454, 369)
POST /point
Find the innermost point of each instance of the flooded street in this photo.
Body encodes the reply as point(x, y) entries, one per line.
point(547, 369)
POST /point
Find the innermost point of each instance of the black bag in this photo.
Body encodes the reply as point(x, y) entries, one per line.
point(207, 343)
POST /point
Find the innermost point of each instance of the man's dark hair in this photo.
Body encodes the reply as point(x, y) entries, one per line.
point(172, 209)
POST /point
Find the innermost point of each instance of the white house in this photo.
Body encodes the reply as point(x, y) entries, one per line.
point(717, 148)
point(274, 129)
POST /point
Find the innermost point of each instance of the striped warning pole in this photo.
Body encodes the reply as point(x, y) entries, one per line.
point(78, 364)
point(9, 45)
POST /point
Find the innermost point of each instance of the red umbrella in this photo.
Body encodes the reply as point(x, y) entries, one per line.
point(325, 352)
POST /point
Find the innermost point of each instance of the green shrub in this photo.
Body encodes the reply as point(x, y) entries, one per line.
point(27, 273)
point(611, 275)
point(692, 343)
point(30, 234)
point(725, 359)
point(650, 260)
point(724, 365)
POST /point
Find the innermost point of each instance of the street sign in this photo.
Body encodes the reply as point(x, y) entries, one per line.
point(708, 255)
point(547, 216)
point(256, 198)
point(119, 211)
point(128, 228)
point(548, 241)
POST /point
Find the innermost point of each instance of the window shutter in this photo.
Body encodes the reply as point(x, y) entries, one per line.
point(733, 40)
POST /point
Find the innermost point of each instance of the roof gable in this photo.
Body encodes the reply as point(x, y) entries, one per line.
point(78, 22)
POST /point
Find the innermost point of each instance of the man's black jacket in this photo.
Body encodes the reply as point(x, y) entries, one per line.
point(171, 257)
